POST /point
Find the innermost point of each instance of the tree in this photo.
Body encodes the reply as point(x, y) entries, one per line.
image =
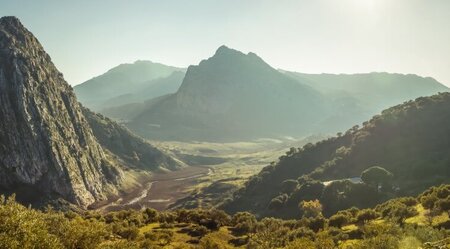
point(311, 208)
point(23, 227)
point(244, 223)
point(377, 177)
point(338, 220)
point(270, 233)
point(278, 202)
point(288, 186)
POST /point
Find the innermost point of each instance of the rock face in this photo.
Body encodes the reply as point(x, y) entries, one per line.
point(45, 141)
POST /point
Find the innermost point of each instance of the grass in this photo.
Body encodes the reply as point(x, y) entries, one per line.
point(422, 217)
point(350, 227)
point(181, 239)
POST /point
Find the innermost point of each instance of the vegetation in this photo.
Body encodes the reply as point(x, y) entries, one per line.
point(133, 150)
point(401, 152)
point(393, 224)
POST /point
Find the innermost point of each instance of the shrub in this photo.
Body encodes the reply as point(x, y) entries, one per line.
point(338, 220)
point(366, 215)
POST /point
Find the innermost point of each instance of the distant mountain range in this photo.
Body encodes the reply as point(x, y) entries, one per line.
point(129, 83)
point(235, 96)
point(360, 96)
point(50, 147)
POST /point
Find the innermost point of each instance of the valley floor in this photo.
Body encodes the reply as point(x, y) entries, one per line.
point(161, 190)
point(229, 164)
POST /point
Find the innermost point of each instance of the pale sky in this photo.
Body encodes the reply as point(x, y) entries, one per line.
point(86, 38)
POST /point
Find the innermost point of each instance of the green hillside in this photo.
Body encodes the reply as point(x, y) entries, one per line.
point(411, 141)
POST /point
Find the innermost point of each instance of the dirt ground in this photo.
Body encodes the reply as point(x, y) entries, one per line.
point(161, 190)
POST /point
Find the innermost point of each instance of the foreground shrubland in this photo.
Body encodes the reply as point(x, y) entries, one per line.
point(407, 222)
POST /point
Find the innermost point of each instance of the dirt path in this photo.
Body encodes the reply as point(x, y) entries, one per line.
point(162, 190)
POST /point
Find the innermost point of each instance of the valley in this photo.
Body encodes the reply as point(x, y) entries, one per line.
point(207, 164)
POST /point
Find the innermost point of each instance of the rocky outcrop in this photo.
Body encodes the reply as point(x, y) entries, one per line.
point(45, 141)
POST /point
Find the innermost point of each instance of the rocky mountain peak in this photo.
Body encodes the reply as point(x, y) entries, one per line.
point(46, 145)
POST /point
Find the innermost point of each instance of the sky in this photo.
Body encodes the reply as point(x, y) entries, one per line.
point(85, 38)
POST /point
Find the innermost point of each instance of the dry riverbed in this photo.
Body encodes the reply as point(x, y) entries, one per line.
point(159, 192)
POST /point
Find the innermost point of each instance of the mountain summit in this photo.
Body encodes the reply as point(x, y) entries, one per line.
point(46, 145)
point(232, 96)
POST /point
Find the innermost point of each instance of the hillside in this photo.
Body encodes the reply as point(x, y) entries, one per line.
point(408, 140)
point(129, 83)
point(232, 96)
point(131, 149)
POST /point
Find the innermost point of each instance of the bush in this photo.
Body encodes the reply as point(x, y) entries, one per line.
point(338, 220)
point(23, 227)
point(303, 243)
point(366, 215)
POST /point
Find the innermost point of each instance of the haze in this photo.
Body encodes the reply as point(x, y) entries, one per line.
point(86, 38)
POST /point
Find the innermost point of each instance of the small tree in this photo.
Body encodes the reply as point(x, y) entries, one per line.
point(311, 208)
point(377, 177)
point(288, 186)
point(244, 223)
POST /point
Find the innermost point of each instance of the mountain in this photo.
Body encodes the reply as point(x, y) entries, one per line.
point(46, 145)
point(411, 141)
point(131, 149)
point(235, 96)
point(363, 95)
point(50, 146)
point(128, 83)
point(149, 90)
point(229, 96)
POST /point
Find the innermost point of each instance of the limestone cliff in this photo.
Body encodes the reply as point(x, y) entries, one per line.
point(45, 141)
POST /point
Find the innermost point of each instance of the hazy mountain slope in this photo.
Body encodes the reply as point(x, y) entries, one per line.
point(149, 90)
point(133, 150)
point(46, 146)
point(125, 113)
point(365, 94)
point(100, 92)
point(233, 96)
point(410, 140)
